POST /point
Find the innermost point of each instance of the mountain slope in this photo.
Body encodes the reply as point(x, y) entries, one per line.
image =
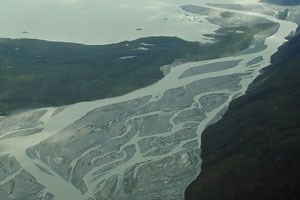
point(253, 152)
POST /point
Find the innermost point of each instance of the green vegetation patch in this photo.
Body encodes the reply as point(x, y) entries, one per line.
point(35, 73)
point(283, 14)
point(227, 14)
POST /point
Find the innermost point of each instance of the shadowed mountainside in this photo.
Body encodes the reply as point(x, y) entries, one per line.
point(253, 152)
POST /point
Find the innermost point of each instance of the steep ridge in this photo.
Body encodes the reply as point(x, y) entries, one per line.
point(253, 151)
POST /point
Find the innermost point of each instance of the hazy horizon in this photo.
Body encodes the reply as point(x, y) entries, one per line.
point(98, 22)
